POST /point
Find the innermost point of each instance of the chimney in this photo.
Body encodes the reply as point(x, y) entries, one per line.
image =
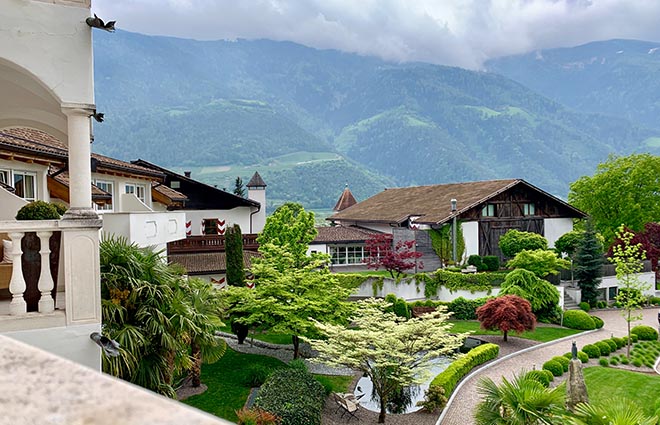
point(187, 173)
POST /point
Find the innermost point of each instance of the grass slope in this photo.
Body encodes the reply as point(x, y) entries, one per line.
point(605, 383)
point(541, 333)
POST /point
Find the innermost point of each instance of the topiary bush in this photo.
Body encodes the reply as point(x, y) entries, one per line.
point(604, 362)
point(603, 347)
point(645, 333)
point(59, 207)
point(634, 337)
point(584, 306)
point(401, 308)
point(578, 319)
point(614, 361)
point(584, 357)
point(464, 309)
point(540, 376)
point(554, 367)
point(514, 241)
point(38, 210)
point(475, 260)
point(601, 304)
point(612, 344)
point(620, 342)
point(293, 395)
point(563, 361)
point(637, 362)
point(592, 351)
point(491, 262)
point(598, 321)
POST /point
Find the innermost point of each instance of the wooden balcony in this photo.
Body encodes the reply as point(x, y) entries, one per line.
point(209, 243)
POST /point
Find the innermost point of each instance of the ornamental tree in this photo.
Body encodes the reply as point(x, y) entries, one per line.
point(287, 298)
point(514, 241)
point(541, 262)
point(589, 263)
point(541, 294)
point(292, 228)
point(234, 255)
point(397, 259)
point(650, 240)
point(623, 190)
point(628, 257)
point(507, 313)
point(392, 351)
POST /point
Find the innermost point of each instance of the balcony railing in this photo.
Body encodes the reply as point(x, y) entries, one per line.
point(209, 243)
point(608, 270)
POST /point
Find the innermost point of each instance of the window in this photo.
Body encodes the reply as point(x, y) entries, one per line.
point(210, 226)
point(138, 190)
point(25, 184)
point(529, 209)
point(175, 184)
point(353, 254)
point(488, 210)
point(4, 176)
point(106, 187)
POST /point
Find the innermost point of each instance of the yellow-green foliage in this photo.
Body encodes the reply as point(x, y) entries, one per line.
point(541, 262)
point(448, 378)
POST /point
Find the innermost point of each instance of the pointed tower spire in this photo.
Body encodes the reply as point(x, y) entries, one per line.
point(256, 182)
point(345, 200)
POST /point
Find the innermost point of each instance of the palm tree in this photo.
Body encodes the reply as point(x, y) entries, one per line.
point(521, 401)
point(616, 411)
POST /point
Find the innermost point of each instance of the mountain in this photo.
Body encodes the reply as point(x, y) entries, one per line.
point(312, 120)
point(615, 77)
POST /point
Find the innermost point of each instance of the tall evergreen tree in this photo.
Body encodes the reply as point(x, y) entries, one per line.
point(589, 264)
point(234, 253)
point(239, 188)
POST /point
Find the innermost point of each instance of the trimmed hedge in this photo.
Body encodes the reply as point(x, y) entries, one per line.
point(598, 321)
point(603, 347)
point(581, 355)
point(492, 262)
point(554, 367)
point(645, 333)
point(578, 319)
point(592, 351)
point(563, 361)
point(455, 281)
point(293, 395)
point(612, 344)
point(448, 378)
point(620, 342)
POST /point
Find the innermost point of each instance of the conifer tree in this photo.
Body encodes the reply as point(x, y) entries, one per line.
point(239, 189)
point(234, 253)
point(589, 264)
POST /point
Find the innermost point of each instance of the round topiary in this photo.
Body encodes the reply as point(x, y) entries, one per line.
point(38, 210)
point(645, 333)
point(598, 321)
point(603, 347)
point(634, 337)
point(60, 207)
point(584, 306)
point(563, 361)
point(612, 344)
point(620, 342)
point(584, 357)
point(549, 374)
point(578, 319)
point(624, 360)
point(637, 362)
point(554, 367)
point(539, 376)
point(592, 351)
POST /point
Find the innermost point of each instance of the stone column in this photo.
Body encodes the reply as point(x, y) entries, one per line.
point(80, 172)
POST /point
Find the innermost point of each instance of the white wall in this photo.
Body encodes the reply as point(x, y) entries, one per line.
point(554, 228)
point(471, 236)
point(318, 247)
point(259, 218)
point(239, 215)
point(146, 228)
point(410, 291)
point(70, 342)
point(10, 205)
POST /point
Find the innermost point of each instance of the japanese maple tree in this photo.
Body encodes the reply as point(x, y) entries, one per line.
point(507, 313)
point(395, 259)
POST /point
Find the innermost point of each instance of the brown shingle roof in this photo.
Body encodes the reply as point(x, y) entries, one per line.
point(431, 203)
point(208, 262)
point(256, 181)
point(168, 192)
point(343, 234)
point(63, 179)
point(345, 200)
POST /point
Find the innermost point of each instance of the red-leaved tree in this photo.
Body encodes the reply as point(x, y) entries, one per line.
point(650, 240)
point(507, 313)
point(395, 259)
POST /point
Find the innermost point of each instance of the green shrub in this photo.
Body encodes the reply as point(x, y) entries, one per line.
point(654, 300)
point(592, 351)
point(637, 362)
point(578, 319)
point(475, 260)
point(603, 347)
point(541, 262)
point(38, 210)
point(554, 367)
point(568, 355)
point(298, 364)
point(293, 395)
point(614, 361)
point(434, 399)
point(612, 344)
point(464, 309)
point(563, 361)
point(539, 376)
point(541, 294)
point(549, 374)
point(601, 304)
point(604, 362)
point(597, 321)
point(514, 241)
point(584, 306)
point(645, 333)
point(448, 378)
point(584, 357)
point(59, 207)
point(634, 337)
point(256, 375)
point(624, 360)
point(491, 262)
point(401, 308)
point(620, 342)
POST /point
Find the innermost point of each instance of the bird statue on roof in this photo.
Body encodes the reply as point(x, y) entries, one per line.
point(98, 116)
point(97, 22)
point(110, 347)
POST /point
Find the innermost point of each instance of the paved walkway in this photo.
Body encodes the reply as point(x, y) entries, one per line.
point(463, 405)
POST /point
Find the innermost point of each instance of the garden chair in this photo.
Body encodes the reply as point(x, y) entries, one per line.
point(348, 403)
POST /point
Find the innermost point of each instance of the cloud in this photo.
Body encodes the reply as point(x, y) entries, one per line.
point(451, 32)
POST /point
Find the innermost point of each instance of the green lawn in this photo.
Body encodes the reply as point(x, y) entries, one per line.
point(541, 334)
point(273, 338)
point(606, 383)
point(228, 388)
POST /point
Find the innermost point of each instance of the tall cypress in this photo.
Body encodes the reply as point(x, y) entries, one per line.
point(589, 264)
point(234, 253)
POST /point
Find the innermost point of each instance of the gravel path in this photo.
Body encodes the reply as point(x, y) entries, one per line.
point(463, 403)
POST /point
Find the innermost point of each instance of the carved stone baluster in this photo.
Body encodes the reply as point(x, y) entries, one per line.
point(46, 302)
point(17, 282)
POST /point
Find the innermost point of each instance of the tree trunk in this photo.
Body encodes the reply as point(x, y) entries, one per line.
point(628, 346)
point(169, 373)
point(381, 416)
point(296, 346)
point(506, 333)
point(196, 369)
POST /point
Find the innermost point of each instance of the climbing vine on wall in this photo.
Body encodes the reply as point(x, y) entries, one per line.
point(441, 242)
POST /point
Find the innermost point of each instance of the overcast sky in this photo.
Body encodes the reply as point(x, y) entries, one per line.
point(450, 32)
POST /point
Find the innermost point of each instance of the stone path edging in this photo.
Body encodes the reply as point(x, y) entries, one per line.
point(500, 360)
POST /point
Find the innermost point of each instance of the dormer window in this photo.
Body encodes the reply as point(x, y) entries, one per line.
point(488, 210)
point(529, 209)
